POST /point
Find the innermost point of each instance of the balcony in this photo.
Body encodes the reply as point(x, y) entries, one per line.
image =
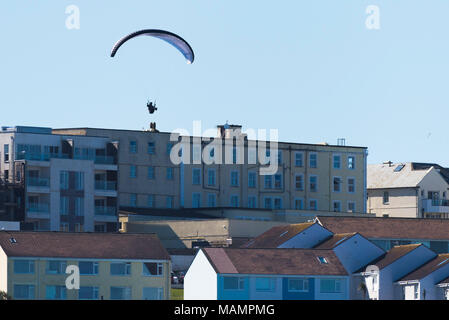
point(105, 214)
point(105, 185)
point(38, 182)
point(435, 205)
point(40, 156)
point(38, 210)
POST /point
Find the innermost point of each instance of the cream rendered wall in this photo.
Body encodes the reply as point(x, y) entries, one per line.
point(104, 280)
point(403, 202)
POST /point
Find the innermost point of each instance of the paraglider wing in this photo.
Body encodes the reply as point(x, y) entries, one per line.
point(173, 39)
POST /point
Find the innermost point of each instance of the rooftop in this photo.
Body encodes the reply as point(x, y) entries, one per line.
point(431, 266)
point(82, 245)
point(389, 228)
point(393, 255)
point(274, 261)
point(335, 240)
point(399, 175)
point(278, 235)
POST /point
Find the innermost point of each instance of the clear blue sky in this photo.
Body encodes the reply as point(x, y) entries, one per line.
point(310, 69)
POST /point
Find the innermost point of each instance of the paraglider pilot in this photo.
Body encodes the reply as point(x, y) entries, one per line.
point(151, 107)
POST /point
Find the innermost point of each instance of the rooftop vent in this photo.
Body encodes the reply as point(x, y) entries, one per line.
point(12, 240)
point(341, 142)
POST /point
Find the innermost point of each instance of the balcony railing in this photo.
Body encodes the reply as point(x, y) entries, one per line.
point(439, 202)
point(96, 159)
point(38, 208)
point(105, 185)
point(435, 205)
point(40, 156)
point(105, 211)
point(38, 182)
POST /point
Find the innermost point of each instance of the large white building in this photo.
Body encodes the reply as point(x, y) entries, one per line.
point(69, 182)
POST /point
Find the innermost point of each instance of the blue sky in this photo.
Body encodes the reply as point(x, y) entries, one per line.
point(310, 69)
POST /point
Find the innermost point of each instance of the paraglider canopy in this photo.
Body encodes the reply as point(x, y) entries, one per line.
point(173, 39)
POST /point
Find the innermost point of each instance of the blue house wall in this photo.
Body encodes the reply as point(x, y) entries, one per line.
point(223, 294)
point(309, 295)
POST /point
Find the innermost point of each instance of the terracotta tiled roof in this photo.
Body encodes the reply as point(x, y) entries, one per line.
point(431, 266)
point(276, 236)
point(274, 261)
point(394, 254)
point(83, 245)
point(335, 240)
point(389, 228)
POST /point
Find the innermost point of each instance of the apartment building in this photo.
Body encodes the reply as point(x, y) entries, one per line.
point(111, 266)
point(408, 190)
point(69, 183)
point(309, 177)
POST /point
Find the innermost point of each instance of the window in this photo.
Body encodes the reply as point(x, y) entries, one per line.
point(336, 161)
point(88, 293)
point(23, 266)
point(152, 269)
point(299, 159)
point(150, 293)
point(211, 200)
point(265, 284)
point(312, 160)
point(120, 268)
point(170, 173)
point(150, 201)
point(56, 267)
point(169, 147)
point(88, 267)
point(299, 182)
point(6, 152)
point(151, 148)
point(251, 179)
point(64, 227)
point(279, 157)
point(399, 168)
point(252, 202)
point(120, 293)
point(234, 178)
point(337, 184)
point(386, 197)
point(252, 155)
point(351, 162)
point(313, 183)
point(330, 285)
point(298, 285)
point(336, 205)
point(196, 176)
point(150, 173)
point(268, 182)
point(234, 201)
point(64, 206)
point(132, 171)
point(351, 185)
point(79, 180)
point(234, 155)
point(23, 291)
point(133, 146)
point(278, 203)
point(233, 283)
point(351, 206)
point(6, 174)
point(299, 204)
point(55, 292)
point(64, 180)
point(79, 206)
point(133, 200)
point(322, 260)
point(313, 205)
point(211, 177)
point(268, 203)
point(278, 181)
point(196, 200)
point(169, 202)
